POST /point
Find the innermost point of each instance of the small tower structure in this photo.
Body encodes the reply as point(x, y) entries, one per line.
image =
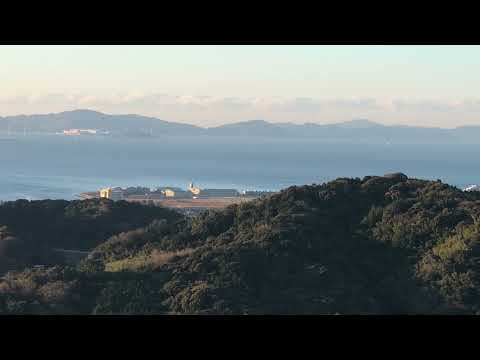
point(193, 189)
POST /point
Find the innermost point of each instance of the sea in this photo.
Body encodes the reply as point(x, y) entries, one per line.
point(61, 167)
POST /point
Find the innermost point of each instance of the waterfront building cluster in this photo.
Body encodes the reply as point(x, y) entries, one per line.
point(192, 192)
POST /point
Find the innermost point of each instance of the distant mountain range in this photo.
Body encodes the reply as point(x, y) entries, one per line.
point(88, 119)
point(142, 126)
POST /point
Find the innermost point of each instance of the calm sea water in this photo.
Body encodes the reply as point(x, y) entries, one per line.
point(54, 167)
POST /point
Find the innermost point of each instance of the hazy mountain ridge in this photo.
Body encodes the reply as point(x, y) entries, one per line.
point(137, 125)
point(88, 119)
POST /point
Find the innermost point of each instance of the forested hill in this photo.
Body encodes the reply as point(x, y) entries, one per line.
point(30, 230)
point(377, 245)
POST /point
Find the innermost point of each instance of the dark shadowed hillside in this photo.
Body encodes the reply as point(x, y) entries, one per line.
point(29, 230)
point(377, 245)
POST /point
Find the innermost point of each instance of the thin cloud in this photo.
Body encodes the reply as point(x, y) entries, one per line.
point(157, 104)
point(296, 105)
point(426, 106)
point(356, 103)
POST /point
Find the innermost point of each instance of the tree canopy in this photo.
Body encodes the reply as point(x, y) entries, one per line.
point(377, 245)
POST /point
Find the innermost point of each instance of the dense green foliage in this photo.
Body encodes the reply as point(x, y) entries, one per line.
point(378, 245)
point(29, 230)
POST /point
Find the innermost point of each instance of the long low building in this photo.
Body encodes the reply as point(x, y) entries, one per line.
point(219, 193)
point(197, 192)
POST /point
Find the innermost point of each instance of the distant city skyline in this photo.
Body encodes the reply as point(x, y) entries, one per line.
point(434, 86)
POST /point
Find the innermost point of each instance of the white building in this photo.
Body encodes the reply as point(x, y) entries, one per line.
point(77, 132)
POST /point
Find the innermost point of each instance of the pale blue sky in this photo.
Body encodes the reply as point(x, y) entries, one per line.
point(209, 85)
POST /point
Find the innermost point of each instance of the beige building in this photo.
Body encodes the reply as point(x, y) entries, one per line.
point(114, 194)
point(169, 193)
point(105, 193)
point(176, 193)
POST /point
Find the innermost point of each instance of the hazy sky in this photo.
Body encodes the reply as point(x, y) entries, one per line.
point(211, 85)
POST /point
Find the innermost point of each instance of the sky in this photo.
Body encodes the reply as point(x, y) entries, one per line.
point(212, 85)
